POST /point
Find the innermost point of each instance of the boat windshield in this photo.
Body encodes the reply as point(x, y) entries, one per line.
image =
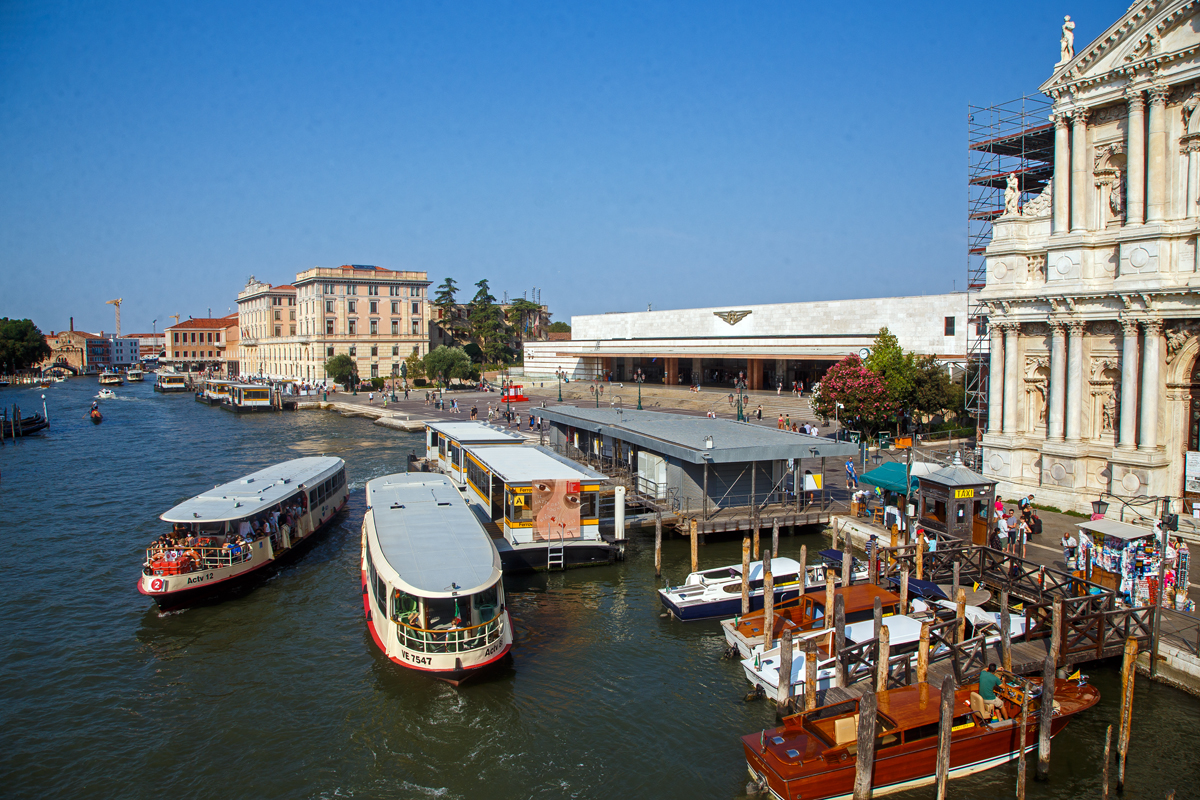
point(448, 624)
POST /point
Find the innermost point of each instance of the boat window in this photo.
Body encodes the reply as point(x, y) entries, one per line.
point(921, 732)
point(518, 507)
point(443, 612)
point(477, 476)
point(589, 505)
point(312, 498)
point(486, 603)
point(442, 446)
point(454, 451)
point(406, 608)
point(718, 574)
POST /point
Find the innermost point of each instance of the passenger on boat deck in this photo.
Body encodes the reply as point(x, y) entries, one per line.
point(275, 521)
point(244, 528)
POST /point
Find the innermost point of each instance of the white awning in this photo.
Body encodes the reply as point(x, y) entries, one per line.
point(1118, 530)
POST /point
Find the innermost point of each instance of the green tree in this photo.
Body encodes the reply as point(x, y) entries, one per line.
point(892, 365)
point(416, 368)
point(341, 369)
point(488, 328)
point(21, 344)
point(445, 301)
point(559, 327)
point(933, 392)
point(445, 363)
point(522, 315)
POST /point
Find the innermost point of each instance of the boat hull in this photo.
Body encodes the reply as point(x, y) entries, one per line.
point(518, 558)
point(171, 389)
point(215, 584)
point(245, 409)
point(722, 608)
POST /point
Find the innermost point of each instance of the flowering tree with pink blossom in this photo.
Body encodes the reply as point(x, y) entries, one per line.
point(863, 394)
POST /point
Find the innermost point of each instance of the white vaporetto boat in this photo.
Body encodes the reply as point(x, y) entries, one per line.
point(134, 375)
point(432, 590)
point(224, 536)
point(110, 378)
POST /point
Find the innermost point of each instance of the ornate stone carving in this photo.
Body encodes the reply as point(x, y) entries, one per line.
point(732, 317)
point(1158, 94)
point(1075, 328)
point(1152, 327)
point(1066, 43)
point(1116, 196)
point(1129, 326)
point(1037, 266)
point(1104, 155)
point(1039, 207)
point(1061, 120)
point(1137, 101)
point(1102, 363)
point(1080, 117)
point(1012, 195)
point(1105, 328)
point(1108, 114)
point(1177, 337)
point(1109, 410)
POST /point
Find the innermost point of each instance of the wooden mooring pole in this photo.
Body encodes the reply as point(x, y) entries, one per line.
point(904, 590)
point(839, 639)
point(847, 568)
point(1021, 767)
point(923, 654)
point(803, 569)
point(775, 537)
point(658, 544)
point(865, 765)
point(946, 723)
point(1128, 667)
point(828, 598)
point(768, 602)
point(881, 662)
point(960, 612)
point(1107, 761)
point(784, 695)
point(920, 559)
point(1005, 632)
point(878, 617)
point(756, 545)
point(1046, 717)
point(834, 541)
point(957, 580)
point(745, 575)
point(695, 547)
point(810, 674)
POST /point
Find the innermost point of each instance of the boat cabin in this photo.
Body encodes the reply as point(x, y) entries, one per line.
point(249, 397)
point(444, 442)
point(214, 392)
point(170, 382)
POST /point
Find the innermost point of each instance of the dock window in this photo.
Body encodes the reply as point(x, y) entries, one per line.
point(589, 506)
point(518, 507)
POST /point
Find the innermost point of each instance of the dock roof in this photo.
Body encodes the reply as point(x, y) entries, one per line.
point(429, 535)
point(684, 436)
point(525, 464)
point(255, 492)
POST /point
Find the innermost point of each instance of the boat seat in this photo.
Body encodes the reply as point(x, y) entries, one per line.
point(845, 730)
point(979, 707)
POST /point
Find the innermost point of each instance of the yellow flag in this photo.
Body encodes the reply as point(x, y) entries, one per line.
point(1019, 607)
point(1076, 676)
point(975, 587)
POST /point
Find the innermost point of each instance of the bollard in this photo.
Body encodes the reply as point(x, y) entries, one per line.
point(1046, 718)
point(695, 548)
point(810, 674)
point(828, 598)
point(1128, 667)
point(745, 575)
point(775, 537)
point(784, 695)
point(866, 747)
point(839, 639)
point(923, 654)
point(768, 601)
point(1005, 632)
point(947, 721)
point(657, 544)
point(881, 659)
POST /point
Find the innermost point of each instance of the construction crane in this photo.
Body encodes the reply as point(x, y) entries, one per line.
point(117, 303)
point(174, 317)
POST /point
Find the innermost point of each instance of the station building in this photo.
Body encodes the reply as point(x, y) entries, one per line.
point(770, 344)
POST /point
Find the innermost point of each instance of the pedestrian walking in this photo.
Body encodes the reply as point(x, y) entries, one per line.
point(758, 413)
point(779, 389)
point(851, 476)
point(370, 397)
point(780, 423)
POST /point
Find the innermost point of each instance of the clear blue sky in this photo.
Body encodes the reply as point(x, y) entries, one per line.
point(612, 154)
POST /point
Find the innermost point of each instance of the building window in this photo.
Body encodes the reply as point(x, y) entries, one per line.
point(374, 307)
point(328, 306)
point(176, 335)
point(395, 366)
point(417, 327)
point(416, 309)
point(352, 289)
point(277, 316)
point(395, 307)
point(395, 350)
point(175, 354)
point(193, 338)
point(374, 327)
point(351, 307)
point(278, 328)
point(352, 327)
point(293, 329)
point(395, 328)
point(373, 290)
point(353, 351)
point(949, 326)
point(218, 336)
point(329, 327)
point(375, 350)
point(292, 315)
point(329, 352)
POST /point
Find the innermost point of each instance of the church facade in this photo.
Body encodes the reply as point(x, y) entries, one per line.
point(1093, 287)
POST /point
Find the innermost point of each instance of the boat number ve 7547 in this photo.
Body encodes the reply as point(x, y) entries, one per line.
point(426, 660)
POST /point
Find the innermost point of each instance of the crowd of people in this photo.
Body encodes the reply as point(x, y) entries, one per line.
point(186, 547)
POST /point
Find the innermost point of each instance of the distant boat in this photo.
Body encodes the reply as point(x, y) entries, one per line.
point(106, 394)
point(171, 382)
point(111, 379)
point(134, 375)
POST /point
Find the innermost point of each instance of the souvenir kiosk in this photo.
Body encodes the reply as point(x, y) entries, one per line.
point(1126, 559)
point(444, 442)
point(956, 502)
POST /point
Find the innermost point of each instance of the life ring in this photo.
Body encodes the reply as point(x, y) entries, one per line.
point(156, 585)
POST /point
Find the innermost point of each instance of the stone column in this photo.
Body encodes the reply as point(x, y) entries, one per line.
point(1079, 169)
point(697, 375)
point(1151, 355)
point(1135, 161)
point(1060, 197)
point(1074, 381)
point(996, 379)
point(1128, 414)
point(1156, 183)
point(1012, 376)
point(1056, 413)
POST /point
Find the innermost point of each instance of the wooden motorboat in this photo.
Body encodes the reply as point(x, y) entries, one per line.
point(812, 755)
point(714, 593)
point(234, 532)
point(106, 394)
point(431, 579)
point(807, 612)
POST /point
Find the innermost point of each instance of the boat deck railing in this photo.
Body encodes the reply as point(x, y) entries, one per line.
point(452, 640)
point(179, 560)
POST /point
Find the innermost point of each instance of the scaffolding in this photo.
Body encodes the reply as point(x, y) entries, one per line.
point(1006, 139)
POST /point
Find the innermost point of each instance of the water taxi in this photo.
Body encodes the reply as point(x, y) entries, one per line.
point(170, 382)
point(111, 379)
point(214, 392)
point(717, 592)
point(222, 537)
point(134, 375)
point(106, 394)
point(813, 755)
point(431, 579)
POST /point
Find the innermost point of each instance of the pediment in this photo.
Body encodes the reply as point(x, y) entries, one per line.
point(1148, 38)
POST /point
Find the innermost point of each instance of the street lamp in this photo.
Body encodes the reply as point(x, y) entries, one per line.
point(639, 377)
point(1099, 507)
point(558, 374)
point(597, 389)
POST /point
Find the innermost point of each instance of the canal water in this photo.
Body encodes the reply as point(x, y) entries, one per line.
point(281, 693)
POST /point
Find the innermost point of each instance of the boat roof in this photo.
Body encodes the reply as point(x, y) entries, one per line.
point(476, 433)
point(525, 464)
point(429, 536)
point(251, 386)
point(901, 630)
point(255, 492)
point(780, 565)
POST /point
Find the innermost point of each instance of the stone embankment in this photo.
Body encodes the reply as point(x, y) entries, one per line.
point(393, 420)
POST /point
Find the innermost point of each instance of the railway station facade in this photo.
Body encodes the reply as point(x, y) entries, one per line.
point(771, 344)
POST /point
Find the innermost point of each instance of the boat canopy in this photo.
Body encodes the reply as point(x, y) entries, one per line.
point(518, 465)
point(430, 537)
point(890, 477)
point(779, 566)
point(901, 630)
point(255, 492)
point(475, 433)
point(926, 589)
point(835, 557)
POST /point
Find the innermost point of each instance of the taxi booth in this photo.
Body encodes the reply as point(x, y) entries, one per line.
point(956, 502)
point(545, 508)
point(444, 442)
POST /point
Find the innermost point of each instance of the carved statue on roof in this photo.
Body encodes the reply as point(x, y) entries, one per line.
point(1191, 120)
point(1066, 44)
point(1012, 195)
point(251, 280)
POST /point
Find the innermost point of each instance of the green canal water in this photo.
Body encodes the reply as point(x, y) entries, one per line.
point(281, 692)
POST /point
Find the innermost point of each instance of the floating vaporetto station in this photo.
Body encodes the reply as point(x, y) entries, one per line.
point(431, 580)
